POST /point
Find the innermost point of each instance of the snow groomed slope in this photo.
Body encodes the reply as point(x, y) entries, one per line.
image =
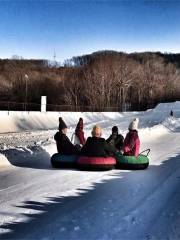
point(70, 204)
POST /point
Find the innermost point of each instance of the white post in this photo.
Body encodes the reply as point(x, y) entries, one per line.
point(43, 103)
point(26, 90)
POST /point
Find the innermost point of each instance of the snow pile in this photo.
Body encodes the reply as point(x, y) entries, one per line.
point(172, 124)
point(31, 121)
point(162, 128)
point(23, 121)
point(167, 107)
point(164, 109)
point(4, 161)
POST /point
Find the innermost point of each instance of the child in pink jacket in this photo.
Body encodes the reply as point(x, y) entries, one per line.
point(132, 142)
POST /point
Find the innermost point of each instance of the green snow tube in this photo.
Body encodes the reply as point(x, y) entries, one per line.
point(132, 162)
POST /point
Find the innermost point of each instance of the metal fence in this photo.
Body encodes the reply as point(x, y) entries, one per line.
point(17, 106)
point(22, 106)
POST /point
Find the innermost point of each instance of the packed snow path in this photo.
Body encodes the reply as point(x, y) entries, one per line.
point(38, 202)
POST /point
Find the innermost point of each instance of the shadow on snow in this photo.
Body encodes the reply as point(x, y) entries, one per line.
point(33, 157)
point(97, 212)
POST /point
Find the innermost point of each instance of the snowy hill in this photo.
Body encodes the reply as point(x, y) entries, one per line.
point(167, 107)
point(71, 204)
point(21, 121)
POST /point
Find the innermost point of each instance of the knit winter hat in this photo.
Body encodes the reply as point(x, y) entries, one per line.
point(134, 124)
point(79, 126)
point(62, 124)
point(115, 129)
point(97, 131)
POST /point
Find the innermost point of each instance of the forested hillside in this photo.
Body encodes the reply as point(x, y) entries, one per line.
point(102, 81)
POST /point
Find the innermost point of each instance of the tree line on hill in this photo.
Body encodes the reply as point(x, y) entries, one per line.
point(104, 80)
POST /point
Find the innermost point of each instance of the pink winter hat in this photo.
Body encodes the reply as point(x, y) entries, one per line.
point(134, 124)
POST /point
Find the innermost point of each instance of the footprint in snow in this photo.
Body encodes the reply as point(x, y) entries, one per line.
point(62, 229)
point(77, 228)
point(148, 237)
point(133, 220)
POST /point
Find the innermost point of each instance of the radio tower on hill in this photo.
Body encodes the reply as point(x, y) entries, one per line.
point(54, 56)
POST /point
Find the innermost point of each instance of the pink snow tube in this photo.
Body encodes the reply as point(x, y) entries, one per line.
point(96, 163)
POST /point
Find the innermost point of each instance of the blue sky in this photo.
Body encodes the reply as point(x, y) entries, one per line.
point(34, 28)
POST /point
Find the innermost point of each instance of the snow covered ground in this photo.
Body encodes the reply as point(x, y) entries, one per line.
point(39, 202)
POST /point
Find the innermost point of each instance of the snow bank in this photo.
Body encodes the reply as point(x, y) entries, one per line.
point(21, 121)
point(168, 124)
point(172, 124)
point(4, 161)
point(167, 107)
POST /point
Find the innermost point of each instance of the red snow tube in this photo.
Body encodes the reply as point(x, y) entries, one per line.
point(96, 163)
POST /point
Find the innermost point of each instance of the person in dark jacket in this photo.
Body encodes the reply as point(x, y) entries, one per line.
point(96, 146)
point(171, 113)
point(116, 140)
point(79, 132)
point(132, 142)
point(64, 145)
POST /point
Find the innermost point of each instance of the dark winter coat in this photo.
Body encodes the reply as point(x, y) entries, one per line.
point(97, 147)
point(131, 143)
point(116, 140)
point(64, 145)
point(79, 132)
